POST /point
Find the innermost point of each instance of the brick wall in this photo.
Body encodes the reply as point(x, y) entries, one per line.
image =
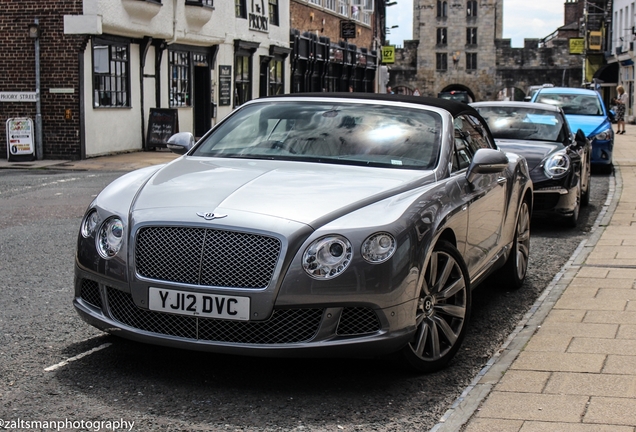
point(59, 68)
point(305, 17)
point(572, 12)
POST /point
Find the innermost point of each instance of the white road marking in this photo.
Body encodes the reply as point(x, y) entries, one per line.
point(77, 357)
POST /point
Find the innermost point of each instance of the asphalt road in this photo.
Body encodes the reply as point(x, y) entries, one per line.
point(170, 390)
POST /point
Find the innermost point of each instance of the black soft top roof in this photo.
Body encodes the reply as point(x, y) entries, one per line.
point(455, 108)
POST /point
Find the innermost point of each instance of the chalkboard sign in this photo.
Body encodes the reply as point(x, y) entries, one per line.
point(225, 85)
point(163, 123)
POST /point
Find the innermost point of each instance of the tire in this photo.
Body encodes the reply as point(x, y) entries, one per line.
point(513, 273)
point(442, 312)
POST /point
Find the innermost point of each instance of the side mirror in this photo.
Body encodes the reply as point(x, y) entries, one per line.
point(180, 143)
point(611, 115)
point(486, 161)
point(580, 140)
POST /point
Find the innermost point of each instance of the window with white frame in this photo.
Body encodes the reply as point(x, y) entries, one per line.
point(366, 17)
point(331, 5)
point(316, 2)
point(342, 8)
point(355, 12)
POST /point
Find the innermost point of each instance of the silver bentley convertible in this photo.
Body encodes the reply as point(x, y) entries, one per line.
point(311, 225)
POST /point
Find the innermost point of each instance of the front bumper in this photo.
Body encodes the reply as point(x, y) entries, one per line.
point(602, 152)
point(329, 331)
point(554, 200)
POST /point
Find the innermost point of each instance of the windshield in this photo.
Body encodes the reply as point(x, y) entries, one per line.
point(524, 123)
point(577, 104)
point(330, 132)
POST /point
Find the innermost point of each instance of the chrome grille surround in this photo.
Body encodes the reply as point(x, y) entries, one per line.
point(205, 256)
point(286, 326)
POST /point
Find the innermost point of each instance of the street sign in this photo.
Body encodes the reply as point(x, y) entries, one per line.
point(20, 145)
point(388, 54)
point(347, 29)
point(11, 96)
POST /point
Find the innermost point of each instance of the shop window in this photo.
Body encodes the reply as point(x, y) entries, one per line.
point(243, 79)
point(441, 62)
point(179, 70)
point(276, 77)
point(111, 79)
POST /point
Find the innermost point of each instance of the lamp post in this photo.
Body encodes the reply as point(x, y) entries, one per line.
point(34, 33)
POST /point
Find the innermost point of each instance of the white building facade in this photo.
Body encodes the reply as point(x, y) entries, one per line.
point(623, 40)
point(154, 67)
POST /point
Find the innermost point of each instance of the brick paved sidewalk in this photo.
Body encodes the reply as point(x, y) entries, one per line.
point(571, 366)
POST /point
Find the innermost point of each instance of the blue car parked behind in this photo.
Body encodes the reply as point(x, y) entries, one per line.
point(585, 110)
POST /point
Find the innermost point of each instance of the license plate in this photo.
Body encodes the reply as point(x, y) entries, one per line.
point(199, 304)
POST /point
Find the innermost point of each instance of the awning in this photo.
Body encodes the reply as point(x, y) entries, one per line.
point(607, 73)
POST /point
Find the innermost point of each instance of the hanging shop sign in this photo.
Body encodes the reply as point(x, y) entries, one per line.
point(20, 145)
point(347, 29)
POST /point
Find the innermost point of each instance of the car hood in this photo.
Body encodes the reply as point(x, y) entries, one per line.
point(534, 151)
point(297, 191)
point(590, 125)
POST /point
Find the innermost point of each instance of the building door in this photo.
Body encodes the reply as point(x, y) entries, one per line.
point(202, 91)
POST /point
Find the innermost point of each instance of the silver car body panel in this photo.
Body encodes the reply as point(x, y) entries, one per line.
point(298, 203)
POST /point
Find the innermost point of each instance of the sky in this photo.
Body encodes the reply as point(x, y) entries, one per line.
point(522, 19)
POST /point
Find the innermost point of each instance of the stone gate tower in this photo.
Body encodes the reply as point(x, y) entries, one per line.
point(456, 47)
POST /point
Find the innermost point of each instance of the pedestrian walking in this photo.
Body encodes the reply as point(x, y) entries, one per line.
point(621, 104)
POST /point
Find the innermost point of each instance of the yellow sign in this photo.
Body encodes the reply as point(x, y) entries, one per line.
point(577, 45)
point(388, 54)
point(595, 41)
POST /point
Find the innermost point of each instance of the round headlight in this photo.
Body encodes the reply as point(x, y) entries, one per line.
point(378, 248)
point(89, 224)
point(557, 165)
point(327, 257)
point(606, 135)
point(110, 237)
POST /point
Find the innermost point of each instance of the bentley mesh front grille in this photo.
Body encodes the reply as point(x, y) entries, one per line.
point(210, 257)
point(89, 292)
point(286, 326)
point(357, 321)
